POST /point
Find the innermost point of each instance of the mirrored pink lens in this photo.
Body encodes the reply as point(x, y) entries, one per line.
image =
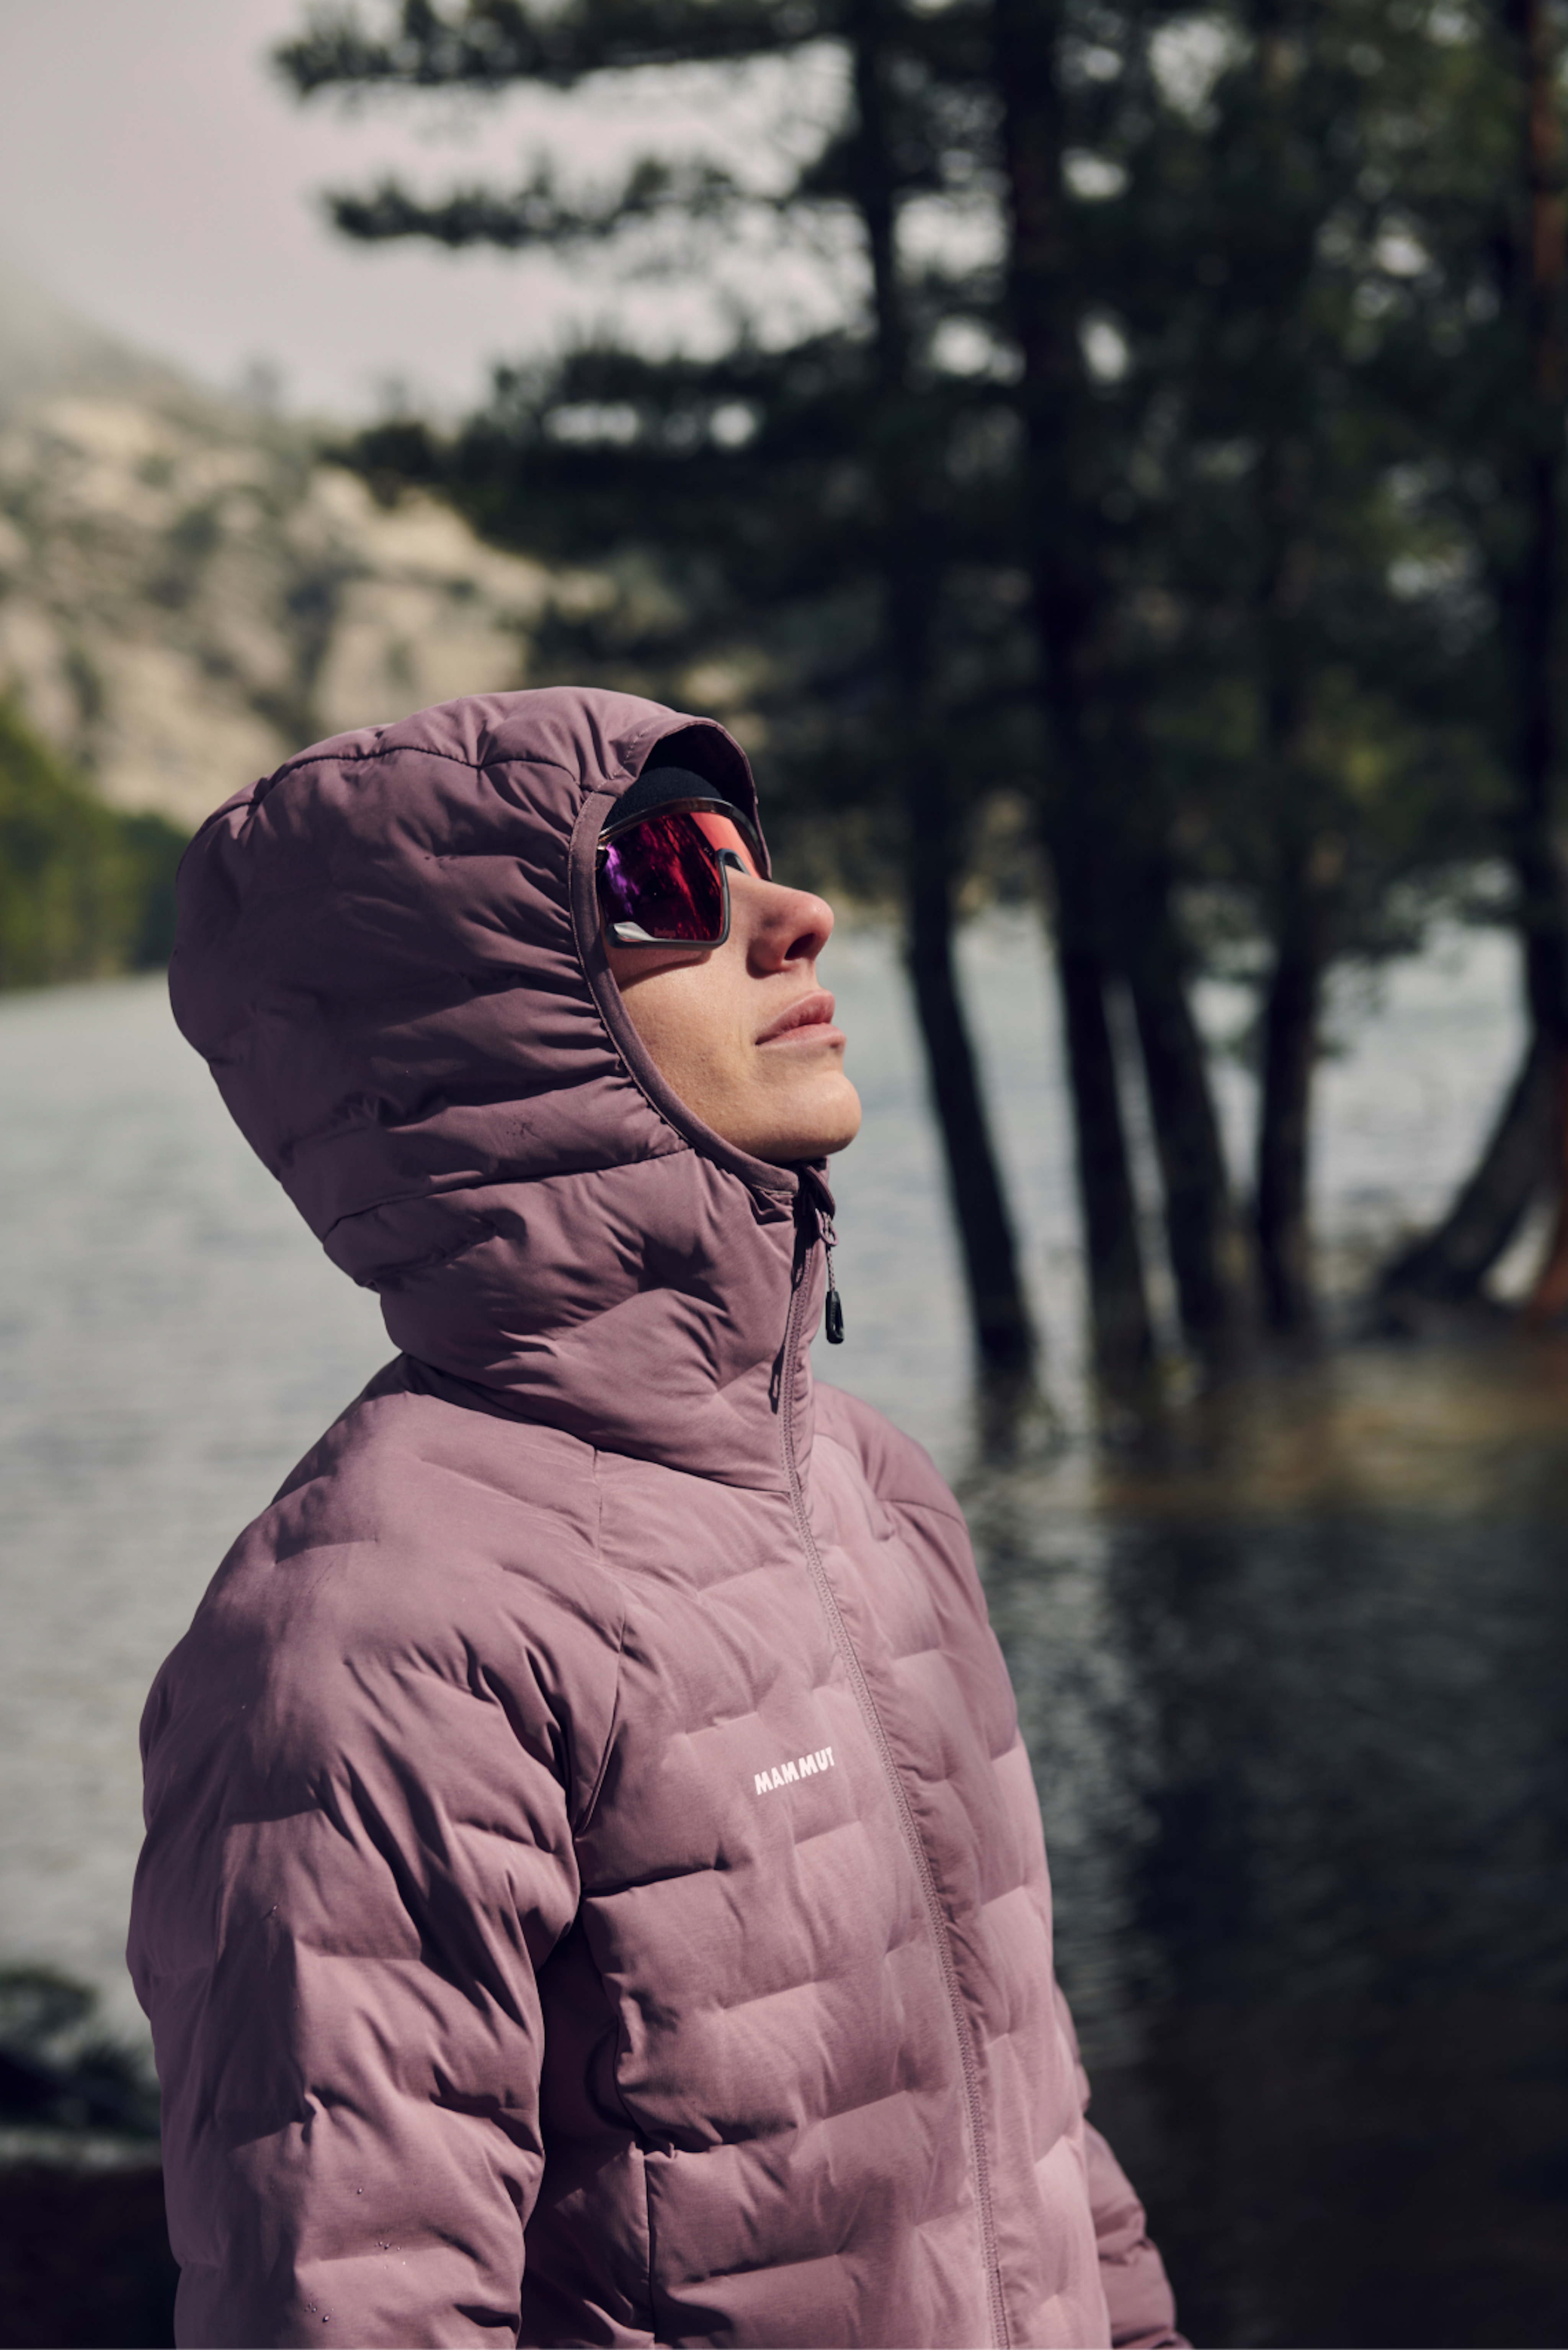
point(660, 876)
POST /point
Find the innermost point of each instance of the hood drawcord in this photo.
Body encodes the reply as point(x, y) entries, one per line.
point(833, 1311)
point(815, 1199)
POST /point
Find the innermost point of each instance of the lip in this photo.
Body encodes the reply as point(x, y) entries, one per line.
point(808, 1020)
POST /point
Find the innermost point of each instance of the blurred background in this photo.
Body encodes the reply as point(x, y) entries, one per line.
point(1107, 460)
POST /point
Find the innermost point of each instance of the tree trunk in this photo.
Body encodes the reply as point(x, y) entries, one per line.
point(1298, 858)
point(1450, 1264)
point(1290, 1049)
point(1060, 516)
point(1548, 1298)
point(1525, 1151)
point(1533, 595)
point(1300, 809)
point(1004, 1337)
point(1207, 1251)
point(999, 1313)
point(1123, 1336)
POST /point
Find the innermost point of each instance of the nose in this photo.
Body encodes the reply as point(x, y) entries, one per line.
point(780, 926)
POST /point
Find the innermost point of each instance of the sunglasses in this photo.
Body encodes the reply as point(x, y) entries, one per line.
point(664, 878)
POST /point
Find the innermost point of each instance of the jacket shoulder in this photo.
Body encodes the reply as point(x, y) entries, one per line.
point(413, 1472)
point(899, 1472)
point(901, 1490)
point(422, 1559)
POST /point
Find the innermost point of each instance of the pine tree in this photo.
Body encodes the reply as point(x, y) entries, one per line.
point(1479, 366)
point(1215, 679)
point(1280, 208)
point(873, 416)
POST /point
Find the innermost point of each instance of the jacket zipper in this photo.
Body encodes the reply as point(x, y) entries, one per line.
point(868, 1705)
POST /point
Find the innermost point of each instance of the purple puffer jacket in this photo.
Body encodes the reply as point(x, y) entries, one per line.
point(593, 1890)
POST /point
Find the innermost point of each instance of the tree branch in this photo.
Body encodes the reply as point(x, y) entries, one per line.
point(538, 213)
point(491, 43)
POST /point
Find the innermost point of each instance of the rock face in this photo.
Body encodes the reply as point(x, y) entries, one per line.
point(188, 593)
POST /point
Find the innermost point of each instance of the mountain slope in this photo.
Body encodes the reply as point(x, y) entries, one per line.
point(188, 593)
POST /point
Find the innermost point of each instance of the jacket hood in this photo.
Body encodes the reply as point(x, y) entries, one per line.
point(388, 953)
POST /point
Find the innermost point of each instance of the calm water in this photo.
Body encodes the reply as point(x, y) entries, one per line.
point(1296, 1701)
point(1294, 1681)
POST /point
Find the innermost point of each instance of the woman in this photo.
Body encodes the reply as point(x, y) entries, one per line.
point(593, 1888)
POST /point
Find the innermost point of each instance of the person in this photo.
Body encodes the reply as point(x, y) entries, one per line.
point(593, 1890)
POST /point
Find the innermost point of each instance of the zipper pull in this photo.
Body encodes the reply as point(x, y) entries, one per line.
point(833, 1311)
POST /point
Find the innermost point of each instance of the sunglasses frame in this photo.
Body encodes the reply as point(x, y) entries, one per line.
point(694, 807)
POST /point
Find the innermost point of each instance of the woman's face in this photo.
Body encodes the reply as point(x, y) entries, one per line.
point(742, 1032)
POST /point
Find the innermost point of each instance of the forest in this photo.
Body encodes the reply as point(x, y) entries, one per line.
point(86, 891)
point(1158, 525)
point(1168, 530)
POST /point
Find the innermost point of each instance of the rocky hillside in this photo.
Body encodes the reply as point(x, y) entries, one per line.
point(187, 593)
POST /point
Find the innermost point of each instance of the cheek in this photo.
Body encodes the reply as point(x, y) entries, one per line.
point(686, 1017)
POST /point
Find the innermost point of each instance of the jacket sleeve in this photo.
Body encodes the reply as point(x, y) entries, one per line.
point(1137, 2292)
point(359, 1852)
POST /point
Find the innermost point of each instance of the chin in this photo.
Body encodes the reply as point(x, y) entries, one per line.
point(840, 1137)
point(831, 1127)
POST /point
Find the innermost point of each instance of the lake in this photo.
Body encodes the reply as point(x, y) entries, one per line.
point(1292, 1672)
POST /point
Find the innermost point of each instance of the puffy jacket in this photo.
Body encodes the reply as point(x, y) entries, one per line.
point(594, 1890)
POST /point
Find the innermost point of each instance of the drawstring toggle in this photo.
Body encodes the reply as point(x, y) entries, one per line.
point(833, 1311)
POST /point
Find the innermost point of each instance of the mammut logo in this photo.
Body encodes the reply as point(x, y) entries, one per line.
point(804, 1766)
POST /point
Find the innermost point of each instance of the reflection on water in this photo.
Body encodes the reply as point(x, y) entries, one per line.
point(1292, 1673)
point(1295, 1699)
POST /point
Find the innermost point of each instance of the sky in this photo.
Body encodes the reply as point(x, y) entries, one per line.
point(156, 180)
